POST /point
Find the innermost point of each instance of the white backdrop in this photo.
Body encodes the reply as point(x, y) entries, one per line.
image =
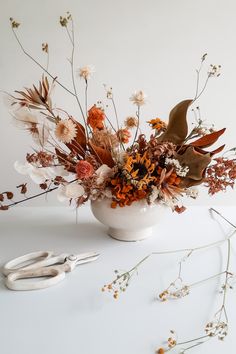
point(154, 45)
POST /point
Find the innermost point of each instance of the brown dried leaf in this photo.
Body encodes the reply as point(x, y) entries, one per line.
point(1, 197)
point(4, 207)
point(195, 160)
point(177, 128)
point(208, 140)
point(78, 145)
point(43, 186)
point(103, 156)
point(180, 210)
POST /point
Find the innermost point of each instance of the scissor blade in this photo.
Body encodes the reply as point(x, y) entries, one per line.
point(86, 257)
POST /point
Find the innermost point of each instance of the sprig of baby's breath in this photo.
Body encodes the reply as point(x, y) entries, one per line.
point(218, 326)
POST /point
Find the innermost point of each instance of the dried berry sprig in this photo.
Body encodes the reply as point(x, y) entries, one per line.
point(221, 175)
point(122, 280)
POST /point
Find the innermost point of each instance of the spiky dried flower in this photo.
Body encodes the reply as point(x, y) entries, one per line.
point(131, 122)
point(65, 130)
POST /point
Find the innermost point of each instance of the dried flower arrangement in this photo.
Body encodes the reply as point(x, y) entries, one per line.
point(217, 327)
point(93, 159)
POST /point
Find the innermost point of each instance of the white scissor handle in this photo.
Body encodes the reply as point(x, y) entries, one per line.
point(18, 263)
point(13, 281)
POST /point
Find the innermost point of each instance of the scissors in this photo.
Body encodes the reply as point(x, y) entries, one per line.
point(42, 264)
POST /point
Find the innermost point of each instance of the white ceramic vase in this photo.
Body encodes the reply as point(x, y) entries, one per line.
point(130, 223)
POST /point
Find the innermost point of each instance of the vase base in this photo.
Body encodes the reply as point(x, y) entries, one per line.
point(130, 235)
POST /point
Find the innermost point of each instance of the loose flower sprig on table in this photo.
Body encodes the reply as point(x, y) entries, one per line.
point(91, 158)
point(218, 325)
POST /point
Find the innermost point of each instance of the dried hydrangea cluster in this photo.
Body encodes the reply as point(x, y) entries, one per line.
point(87, 158)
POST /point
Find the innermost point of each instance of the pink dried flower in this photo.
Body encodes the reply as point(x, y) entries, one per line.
point(84, 169)
point(123, 135)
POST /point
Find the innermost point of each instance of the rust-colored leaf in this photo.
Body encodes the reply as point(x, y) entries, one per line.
point(103, 156)
point(177, 128)
point(216, 151)
point(208, 140)
point(1, 197)
point(78, 145)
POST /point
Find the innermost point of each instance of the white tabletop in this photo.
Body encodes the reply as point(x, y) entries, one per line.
point(76, 317)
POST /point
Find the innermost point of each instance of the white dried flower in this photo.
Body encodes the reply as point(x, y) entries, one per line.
point(214, 70)
point(192, 192)
point(70, 191)
point(86, 72)
point(138, 98)
point(180, 170)
point(102, 173)
point(154, 194)
point(109, 92)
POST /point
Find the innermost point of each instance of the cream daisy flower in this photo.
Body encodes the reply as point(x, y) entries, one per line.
point(65, 131)
point(138, 98)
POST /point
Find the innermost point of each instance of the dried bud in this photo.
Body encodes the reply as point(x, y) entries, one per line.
point(9, 195)
point(43, 186)
point(14, 24)
point(45, 47)
point(23, 188)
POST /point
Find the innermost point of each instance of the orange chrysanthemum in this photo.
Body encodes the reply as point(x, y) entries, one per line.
point(96, 118)
point(124, 193)
point(158, 124)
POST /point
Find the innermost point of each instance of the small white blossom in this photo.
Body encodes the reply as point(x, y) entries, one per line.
point(70, 191)
point(192, 192)
point(180, 170)
point(138, 98)
point(109, 92)
point(214, 70)
point(86, 72)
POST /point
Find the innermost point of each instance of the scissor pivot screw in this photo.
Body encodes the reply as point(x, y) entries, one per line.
point(72, 258)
